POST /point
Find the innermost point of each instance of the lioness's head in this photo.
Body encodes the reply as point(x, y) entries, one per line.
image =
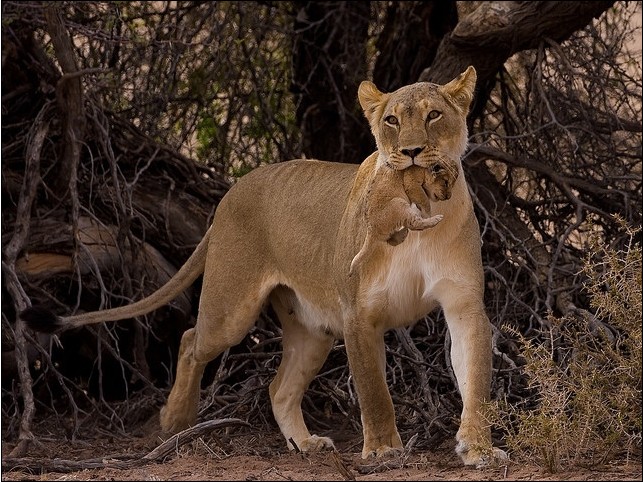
point(418, 121)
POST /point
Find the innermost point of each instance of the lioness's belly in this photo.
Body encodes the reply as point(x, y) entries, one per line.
point(318, 314)
point(403, 293)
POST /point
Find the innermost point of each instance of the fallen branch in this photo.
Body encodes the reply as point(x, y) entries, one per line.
point(122, 461)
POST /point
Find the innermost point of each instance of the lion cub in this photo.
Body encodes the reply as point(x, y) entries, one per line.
point(399, 200)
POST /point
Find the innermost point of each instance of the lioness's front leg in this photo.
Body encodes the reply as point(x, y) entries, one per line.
point(367, 360)
point(471, 357)
point(304, 354)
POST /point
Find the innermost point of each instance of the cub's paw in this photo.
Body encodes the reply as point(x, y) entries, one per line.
point(480, 457)
point(433, 220)
point(398, 237)
point(315, 443)
point(421, 223)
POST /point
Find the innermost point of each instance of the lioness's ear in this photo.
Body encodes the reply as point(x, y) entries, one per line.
point(370, 98)
point(461, 88)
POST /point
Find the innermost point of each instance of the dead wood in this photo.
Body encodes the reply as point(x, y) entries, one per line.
point(123, 462)
point(105, 194)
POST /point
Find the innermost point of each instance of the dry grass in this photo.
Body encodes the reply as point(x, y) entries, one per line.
point(586, 377)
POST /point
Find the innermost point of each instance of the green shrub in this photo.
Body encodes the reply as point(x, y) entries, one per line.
point(586, 374)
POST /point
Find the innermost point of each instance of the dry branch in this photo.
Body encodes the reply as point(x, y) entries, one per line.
point(31, 178)
point(123, 462)
point(554, 156)
point(494, 31)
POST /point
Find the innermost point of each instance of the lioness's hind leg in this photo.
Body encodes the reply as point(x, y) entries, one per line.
point(199, 346)
point(228, 309)
point(180, 411)
point(304, 354)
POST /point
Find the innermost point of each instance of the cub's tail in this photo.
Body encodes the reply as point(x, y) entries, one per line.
point(41, 319)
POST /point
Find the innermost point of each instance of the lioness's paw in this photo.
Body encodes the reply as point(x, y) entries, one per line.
point(172, 424)
point(315, 444)
point(382, 452)
point(480, 457)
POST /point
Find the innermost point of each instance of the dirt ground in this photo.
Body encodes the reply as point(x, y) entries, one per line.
point(263, 456)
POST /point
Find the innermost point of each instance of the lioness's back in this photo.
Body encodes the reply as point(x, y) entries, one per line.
point(288, 210)
point(295, 191)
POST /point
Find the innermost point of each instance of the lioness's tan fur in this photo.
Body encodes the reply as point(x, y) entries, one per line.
point(286, 233)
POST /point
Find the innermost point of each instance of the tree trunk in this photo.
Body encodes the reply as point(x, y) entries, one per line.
point(409, 40)
point(495, 31)
point(329, 62)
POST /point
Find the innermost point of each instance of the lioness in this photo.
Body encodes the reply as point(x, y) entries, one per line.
point(286, 233)
point(399, 200)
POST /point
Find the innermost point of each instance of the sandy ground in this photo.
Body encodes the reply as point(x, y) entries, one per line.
point(264, 457)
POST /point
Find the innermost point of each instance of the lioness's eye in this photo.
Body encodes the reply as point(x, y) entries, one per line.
point(391, 119)
point(434, 114)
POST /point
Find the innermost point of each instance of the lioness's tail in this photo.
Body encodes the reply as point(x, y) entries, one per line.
point(41, 319)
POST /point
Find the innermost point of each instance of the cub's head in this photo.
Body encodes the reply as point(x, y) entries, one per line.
point(419, 121)
point(440, 179)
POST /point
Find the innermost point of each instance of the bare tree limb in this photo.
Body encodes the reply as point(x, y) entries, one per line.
point(493, 32)
point(69, 94)
point(124, 462)
point(30, 182)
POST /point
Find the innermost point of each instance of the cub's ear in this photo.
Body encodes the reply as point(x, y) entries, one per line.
point(371, 100)
point(461, 88)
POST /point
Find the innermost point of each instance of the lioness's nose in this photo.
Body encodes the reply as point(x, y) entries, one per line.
point(412, 152)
